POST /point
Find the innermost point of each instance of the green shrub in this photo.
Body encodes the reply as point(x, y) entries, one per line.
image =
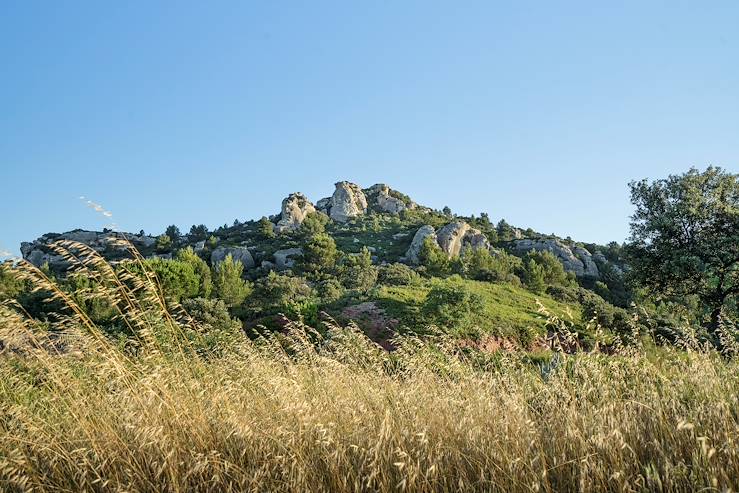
point(229, 285)
point(434, 259)
point(357, 271)
point(451, 304)
point(398, 275)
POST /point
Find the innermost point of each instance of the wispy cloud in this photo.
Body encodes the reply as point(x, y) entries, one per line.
point(100, 210)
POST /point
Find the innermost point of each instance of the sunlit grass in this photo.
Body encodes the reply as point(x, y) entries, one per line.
point(302, 411)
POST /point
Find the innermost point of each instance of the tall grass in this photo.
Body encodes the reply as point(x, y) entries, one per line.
point(303, 411)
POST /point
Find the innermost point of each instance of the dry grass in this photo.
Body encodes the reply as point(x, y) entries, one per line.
point(302, 412)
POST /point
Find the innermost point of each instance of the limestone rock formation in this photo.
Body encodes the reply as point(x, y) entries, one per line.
point(455, 237)
point(348, 201)
point(294, 209)
point(386, 202)
point(38, 252)
point(285, 259)
point(578, 261)
point(239, 254)
point(450, 237)
point(412, 255)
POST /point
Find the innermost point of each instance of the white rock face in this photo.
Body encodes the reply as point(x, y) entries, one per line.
point(294, 209)
point(348, 201)
point(412, 255)
point(580, 261)
point(239, 254)
point(455, 237)
point(450, 237)
point(285, 259)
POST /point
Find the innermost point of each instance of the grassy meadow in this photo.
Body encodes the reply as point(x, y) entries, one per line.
point(174, 407)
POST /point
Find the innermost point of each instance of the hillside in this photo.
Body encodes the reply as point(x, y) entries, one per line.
point(410, 247)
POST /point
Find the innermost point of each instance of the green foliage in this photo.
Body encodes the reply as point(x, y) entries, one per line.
point(451, 304)
point(482, 265)
point(212, 242)
point(357, 271)
point(319, 254)
point(506, 232)
point(685, 237)
point(281, 293)
point(398, 275)
point(10, 286)
point(164, 243)
point(534, 276)
point(178, 279)
point(314, 224)
point(212, 313)
point(266, 228)
point(434, 259)
point(174, 233)
point(199, 232)
point(554, 272)
point(201, 268)
point(330, 291)
point(229, 285)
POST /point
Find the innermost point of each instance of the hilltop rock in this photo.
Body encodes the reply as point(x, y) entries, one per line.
point(38, 252)
point(412, 255)
point(348, 201)
point(580, 261)
point(476, 240)
point(285, 259)
point(239, 254)
point(386, 200)
point(294, 209)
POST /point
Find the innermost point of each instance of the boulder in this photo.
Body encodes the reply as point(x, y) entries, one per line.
point(324, 204)
point(412, 255)
point(294, 209)
point(285, 259)
point(455, 237)
point(348, 201)
point(239, 254)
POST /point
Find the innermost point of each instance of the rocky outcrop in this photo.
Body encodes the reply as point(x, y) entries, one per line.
point(450, 237)
point(455, 237)
point(412, 254)
point(294, 209)
point(348, 201)
point(285, 259)
point(589, 265)
point(578, 261)
point(239, 254)
point(387, 200)
point(38, 252)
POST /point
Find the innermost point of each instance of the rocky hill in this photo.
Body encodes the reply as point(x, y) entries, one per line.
point(391, 225)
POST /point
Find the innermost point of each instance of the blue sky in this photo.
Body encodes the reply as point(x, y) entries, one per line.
point(203, 112)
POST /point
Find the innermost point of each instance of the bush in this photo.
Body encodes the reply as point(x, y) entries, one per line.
point(481, 265)
point(279, 293)
point(219, 330)
point(319, 254)
point(314, 224)
point(357, 271)
point(201, 268)
point(330, 291)
point(533, 276)
point(434, 259)
point(398, 275)
point(451, 304)
point(177, 278)
point(230, 287)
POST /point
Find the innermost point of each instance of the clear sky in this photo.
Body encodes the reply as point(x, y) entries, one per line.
point(203, 112)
